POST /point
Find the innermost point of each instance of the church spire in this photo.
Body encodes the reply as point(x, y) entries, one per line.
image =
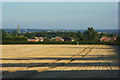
point(18, 29)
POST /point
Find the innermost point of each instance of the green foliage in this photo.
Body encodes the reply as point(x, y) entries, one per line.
point(29, 34)
point(91, 34)
point(102, 35)
point(54, 34)
point(118, 40)
point(46, 39)
point(111, 35)
point(13, 39)
point(79, 36)
point(14, 33)
point(3, 34)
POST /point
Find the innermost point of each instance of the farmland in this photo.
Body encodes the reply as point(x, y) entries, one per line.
point(59, 61)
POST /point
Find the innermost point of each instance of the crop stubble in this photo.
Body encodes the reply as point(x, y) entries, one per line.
point(59, 58)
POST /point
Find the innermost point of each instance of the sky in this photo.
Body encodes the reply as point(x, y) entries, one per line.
point(60, 15)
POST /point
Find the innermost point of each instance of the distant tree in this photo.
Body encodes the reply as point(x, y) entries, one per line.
point(118, 39)
point(112, 35)
point(9, 34)
point(3, 35)
point(15, 39)
point(29, 34)
point(79, 36)
point(102, 35)
point(46, 39)
point(39, 34)
point(91, 34)
point(14, 33)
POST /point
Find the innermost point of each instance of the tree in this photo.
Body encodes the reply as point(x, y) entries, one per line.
point(3, 34)
point(14, 33)
point(91, 34)
point(29, 34)
point(118, 39)
point(8, 34)
point(102, 35)
point(46, 39)
point(39, 34)
point(79, 36)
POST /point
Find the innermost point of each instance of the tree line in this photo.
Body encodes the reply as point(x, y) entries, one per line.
point(90, 36)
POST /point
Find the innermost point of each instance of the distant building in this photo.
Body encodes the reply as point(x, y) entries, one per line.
point(59, 39)
point(109, 38)
point(105, 39)
point(72, 39)
point(51, 39)
point(113, 39)
point(48, 31)
point(26, 30)
point(18, 29)
point(34, 39)
point(99, 32)
point(41, 39)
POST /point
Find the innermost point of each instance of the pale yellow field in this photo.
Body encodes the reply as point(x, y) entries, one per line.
point(52, 58)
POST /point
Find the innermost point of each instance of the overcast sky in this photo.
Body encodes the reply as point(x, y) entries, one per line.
point(60, 15)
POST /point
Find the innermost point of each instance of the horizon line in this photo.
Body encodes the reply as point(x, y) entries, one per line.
point(54, 29)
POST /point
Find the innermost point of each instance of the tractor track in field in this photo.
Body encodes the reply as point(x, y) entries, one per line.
point(72, 58)
point(40, 65)
point(54, 66)
point(62, 64)
point(44, 64)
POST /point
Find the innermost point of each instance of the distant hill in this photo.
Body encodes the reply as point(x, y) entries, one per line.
point(109, 30)
point(39, 30)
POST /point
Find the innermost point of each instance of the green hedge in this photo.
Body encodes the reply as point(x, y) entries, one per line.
point(59, 42)
point(23, 40)
point(14, 40)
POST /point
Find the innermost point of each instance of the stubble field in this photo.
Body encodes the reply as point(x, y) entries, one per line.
point(59, 61)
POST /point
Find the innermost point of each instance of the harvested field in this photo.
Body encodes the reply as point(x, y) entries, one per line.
point(59, 61)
